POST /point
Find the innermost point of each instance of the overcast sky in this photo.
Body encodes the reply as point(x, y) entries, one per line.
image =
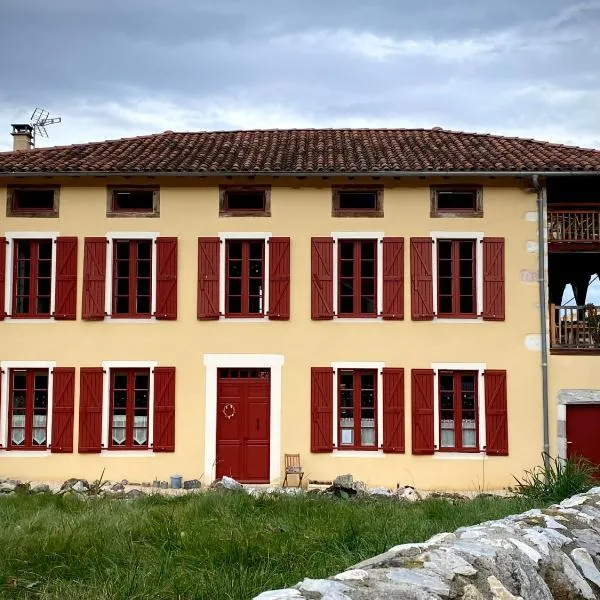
point(116, 68)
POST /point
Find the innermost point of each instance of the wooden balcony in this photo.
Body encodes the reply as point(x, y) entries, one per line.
point(574, 329)
point(573, 226)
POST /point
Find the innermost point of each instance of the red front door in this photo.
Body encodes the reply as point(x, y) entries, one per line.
point(243, 424)
point(583, 425)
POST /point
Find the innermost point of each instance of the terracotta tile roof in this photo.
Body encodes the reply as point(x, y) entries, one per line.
point(306, 151)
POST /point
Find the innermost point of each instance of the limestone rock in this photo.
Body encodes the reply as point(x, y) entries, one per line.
point(380, 491)
point(528, 551)
point(584, 561)
point(352, 575)
point(343, 481)
point(77, 485)
point(7, 487)
point(40, 488)
point(499, 592)
point(135, 494)
point(322, 586)
point(577, 581)
point(429, 582)
point(408, 493)
point(537, 555)
point(279, 595)
point(470, 592)
point(448, 564)
point(226, 483)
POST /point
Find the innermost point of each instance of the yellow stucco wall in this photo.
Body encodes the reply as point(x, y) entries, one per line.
point(300, 209)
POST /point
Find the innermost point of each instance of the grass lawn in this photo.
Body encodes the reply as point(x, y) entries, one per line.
point(211, 546)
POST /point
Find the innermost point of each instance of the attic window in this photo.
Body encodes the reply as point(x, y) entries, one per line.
point(357, 202)
point(244, 201)
point(133, 202)
point(32, 201)
point(455, 201)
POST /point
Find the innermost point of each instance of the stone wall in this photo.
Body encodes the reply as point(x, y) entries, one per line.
point(537, 555)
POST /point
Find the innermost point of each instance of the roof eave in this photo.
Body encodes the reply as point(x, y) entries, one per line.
point(301, 174)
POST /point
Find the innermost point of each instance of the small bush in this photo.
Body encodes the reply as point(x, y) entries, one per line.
point(557, 479)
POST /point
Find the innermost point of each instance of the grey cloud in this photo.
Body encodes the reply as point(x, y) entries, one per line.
point(510, 66)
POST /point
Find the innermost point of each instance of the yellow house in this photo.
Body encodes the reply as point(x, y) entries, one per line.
point(378, 301)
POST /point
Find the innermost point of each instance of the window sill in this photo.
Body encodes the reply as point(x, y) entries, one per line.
point(243, 319)
point(358, 453)
point(126, 453)
point(24, 453)
point(9, 319)
point(337, 319)
point(141, 320)
point(461, 455)
point(459, 320)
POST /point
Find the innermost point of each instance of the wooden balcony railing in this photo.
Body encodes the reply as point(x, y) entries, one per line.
point(575, 327)
point(566, 225)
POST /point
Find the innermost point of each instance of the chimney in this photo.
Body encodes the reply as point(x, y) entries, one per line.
point(22, 136)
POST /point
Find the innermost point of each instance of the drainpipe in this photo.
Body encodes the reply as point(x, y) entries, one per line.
point(541, 207)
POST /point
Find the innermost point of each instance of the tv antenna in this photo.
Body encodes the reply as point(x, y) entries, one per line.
point(40, 119)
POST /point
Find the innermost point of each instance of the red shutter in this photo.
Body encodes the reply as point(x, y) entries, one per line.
point(393, 410)
point(63, 406)
point(90, 409)
point(164, 409)
point(94, 278)
point(65, 301)
point(496, 418)
point(321, 262)
point(393, 278)
point(421, 279)
point(321, 400)
point(166, 278)
point(208, 278)
point(2, 276)
point(422, 411)
point(279, 278)
point(493, 279)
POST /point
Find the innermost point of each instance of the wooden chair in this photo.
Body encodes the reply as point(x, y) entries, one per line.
point(292, 467)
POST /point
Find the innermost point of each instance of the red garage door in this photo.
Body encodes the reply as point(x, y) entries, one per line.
point(243, 430)
point(583, 427)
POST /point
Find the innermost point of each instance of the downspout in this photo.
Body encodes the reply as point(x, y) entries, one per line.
point(541, 210)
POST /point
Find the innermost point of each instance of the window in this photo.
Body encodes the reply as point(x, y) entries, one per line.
point(458, 397)
point(456, 201)
point(28, 409)
point(357, 278)
point(129, 408)
point(456, 269)
point(32, 278)
point(132, 278)
point(244, 201)
point(141, 201)
point(357, 397)
point(32, 201)
point(245, 278)
point(357, 202)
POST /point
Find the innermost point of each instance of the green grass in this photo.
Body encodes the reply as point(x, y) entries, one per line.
point(556, 479)
point(213, 546)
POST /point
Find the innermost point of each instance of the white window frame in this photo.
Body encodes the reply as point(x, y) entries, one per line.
point(477, 236)
point(243, 235)
point(11, 236)
point(375, 366)
point(111, 236)
point(5, 367)
point(107, 365)
point(213, 362)
point(358, 235)
point(480, 369)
